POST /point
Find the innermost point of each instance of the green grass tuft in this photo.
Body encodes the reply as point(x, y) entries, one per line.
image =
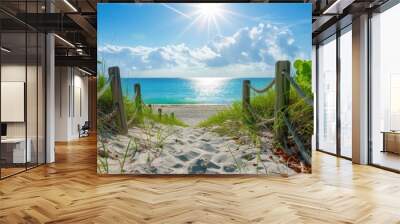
point(166, 119)
point(234, 122)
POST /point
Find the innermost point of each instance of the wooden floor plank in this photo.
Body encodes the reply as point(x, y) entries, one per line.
point(70, 191)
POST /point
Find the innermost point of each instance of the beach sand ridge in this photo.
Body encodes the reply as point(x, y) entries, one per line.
point(162, 149)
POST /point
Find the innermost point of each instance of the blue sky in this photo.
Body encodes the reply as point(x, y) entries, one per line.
point(197, 40)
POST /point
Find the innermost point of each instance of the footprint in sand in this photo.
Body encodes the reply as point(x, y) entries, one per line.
point(191, 150)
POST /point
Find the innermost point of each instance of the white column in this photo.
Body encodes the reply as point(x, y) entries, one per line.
point(50, 101)
point(360, 90)
point(50, 94)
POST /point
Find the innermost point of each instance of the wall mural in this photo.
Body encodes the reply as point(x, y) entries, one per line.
point(204, 88)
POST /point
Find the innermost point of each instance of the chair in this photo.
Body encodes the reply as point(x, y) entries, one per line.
point(84, 130)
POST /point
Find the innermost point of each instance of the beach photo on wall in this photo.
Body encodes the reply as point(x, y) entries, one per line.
point(204, 88)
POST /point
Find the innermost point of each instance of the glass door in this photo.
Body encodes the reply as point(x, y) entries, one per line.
point(14, 153)
point(22, 77)
point(346, 92)
point(385, 90)
point(327, 96)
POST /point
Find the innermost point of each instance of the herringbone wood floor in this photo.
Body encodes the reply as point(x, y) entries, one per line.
point(70, 191)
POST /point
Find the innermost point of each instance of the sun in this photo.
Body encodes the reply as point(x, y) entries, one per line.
point(209, 10)
point(206, 17)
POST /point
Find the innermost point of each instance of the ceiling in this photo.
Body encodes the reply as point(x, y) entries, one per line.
point(329, 16)
point(73, 21)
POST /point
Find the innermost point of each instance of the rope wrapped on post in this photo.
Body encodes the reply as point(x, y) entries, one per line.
point(304, 155)
point(269, 86)
point(299, 90)
point(104, 88)
point(139, 104)
point(133, 117)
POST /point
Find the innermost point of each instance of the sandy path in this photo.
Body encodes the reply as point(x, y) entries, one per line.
point(191, 114)
point(162, 149)
point(188, 150)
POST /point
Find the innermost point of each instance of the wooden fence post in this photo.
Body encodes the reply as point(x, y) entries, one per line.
point(117, 97)
point(138, 93)
point(138, 100)
point(246, 96)
point(160, 113)
point(282, 88)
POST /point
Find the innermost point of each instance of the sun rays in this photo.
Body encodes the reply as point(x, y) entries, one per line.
point(205, 17)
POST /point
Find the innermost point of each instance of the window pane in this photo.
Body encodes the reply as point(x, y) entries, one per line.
point(346, 94)
point(385, 114)
point(14, 153)
point(327, 96)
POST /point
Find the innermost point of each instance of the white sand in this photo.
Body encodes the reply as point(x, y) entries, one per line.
point(190, 150)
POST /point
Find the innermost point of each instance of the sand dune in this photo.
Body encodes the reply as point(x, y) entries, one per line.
point(161, 149)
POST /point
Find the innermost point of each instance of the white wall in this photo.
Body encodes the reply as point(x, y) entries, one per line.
point(62, 81)
point(12, 73)
point(33, 126)
point(70, 84)
point(16, 73)
point(79, 111)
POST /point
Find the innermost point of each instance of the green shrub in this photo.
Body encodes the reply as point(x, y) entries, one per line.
point(234, 122)
point(303, 75)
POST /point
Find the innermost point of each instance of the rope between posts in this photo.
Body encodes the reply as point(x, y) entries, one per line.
point(298, 89)
point(132, 118)
point(269, 86)
point(266, 123)
point(306, 157)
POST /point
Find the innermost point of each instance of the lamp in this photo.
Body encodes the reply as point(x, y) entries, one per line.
point(84, 71)
point(64, 40)
point(5, 50)
point(70, 5)
point(337, 7)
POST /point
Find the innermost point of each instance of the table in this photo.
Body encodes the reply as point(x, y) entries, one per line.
point(13, 150)
point(391, 141)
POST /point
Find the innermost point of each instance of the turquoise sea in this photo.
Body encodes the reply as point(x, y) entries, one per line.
point(191, 90)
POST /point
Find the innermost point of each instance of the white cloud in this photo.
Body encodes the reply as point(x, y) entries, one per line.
point(248, 52)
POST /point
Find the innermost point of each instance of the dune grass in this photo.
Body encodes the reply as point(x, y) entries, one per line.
point(167, 119)
point(132, 108)
point(234, 122)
